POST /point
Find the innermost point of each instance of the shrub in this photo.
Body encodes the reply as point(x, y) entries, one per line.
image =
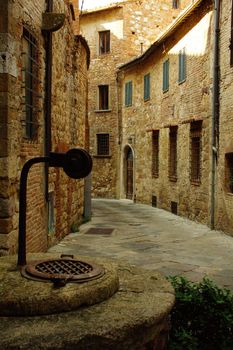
point(202, 318)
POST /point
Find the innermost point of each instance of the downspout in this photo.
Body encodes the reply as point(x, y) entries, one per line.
point(48, 96)
point(215, 111)
point(119, 128)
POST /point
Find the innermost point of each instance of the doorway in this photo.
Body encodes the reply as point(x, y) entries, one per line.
point(129, 173)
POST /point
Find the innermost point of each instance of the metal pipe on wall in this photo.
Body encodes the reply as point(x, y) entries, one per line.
point(48, 95)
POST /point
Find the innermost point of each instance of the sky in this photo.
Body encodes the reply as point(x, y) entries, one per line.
point(90, 4)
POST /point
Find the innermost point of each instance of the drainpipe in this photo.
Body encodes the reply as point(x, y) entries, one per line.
point(119, 128)
point(48, 96)
point(215, 111)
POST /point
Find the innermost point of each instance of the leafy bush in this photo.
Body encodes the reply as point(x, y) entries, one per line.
point(202, 318)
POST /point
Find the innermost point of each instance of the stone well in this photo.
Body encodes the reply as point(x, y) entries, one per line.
point(125, 309)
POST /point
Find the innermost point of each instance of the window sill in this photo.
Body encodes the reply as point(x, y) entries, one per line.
point(102, 110)
point(103, 54)
point(155, 176)
point(229, 193)
point(102, 156)
point(195, 182)
point(147, 100)
point(164, 91)
point(127, 106)
point(182, 81)
point(172, 178)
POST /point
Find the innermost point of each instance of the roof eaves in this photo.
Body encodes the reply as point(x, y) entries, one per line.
point(100, 9)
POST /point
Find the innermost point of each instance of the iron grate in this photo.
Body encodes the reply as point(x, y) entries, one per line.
point(63, 270)
point(100, 230)
point(64, 267)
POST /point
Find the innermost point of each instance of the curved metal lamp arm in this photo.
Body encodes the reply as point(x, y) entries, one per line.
point(77, 164)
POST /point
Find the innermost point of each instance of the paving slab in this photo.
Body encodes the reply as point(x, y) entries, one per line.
point(154, 239)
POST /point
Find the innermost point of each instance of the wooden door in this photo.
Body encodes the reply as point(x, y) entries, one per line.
point(129, 175)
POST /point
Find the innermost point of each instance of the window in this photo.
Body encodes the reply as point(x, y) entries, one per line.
point(229, 172)
point(104, 42)
point(182, 66)
point(147, 87)
point(195, 149)
point(155, 153)
point(103, 97)
point(165, 76)
point(102, 144)
point(175, 4)
point(30, 83)
point(128, 94)
point(172, 154)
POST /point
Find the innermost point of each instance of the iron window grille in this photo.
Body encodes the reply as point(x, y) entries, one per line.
point(102, 144)
point(166, 75)
point(195, 149)
point(182, 66)
point(30, 83)
point(155, 153)
point(147, 87)
point(172, 173)
point(104, 42)
point(103, 97)
point(128, 94)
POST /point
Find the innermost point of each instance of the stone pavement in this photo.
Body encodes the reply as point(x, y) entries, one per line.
point(153, 239)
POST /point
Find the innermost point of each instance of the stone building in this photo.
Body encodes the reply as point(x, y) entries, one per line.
point(176, 118)
point(224, 124)
point(115, 34)
point(166, 118)
point(43, 108)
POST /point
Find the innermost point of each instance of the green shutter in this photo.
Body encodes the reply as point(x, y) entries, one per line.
point(146, 87)
point(128, 93)
point(166, 75)
point(182, 65)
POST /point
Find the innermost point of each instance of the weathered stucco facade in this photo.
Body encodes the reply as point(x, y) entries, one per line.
point(24, 61)
point(115, 34)
point(170, 113)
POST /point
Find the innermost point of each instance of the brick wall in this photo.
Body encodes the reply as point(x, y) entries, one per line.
point(69, 96)
point(224, 197)
point(130, 24)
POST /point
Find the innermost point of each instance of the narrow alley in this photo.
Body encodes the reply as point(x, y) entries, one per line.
point(153, 239)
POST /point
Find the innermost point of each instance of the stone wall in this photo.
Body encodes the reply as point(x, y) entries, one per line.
point(69, 95)
point(133, 26)
point(179, 106)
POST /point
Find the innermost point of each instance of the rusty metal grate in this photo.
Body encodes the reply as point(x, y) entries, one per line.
point(63, 270)
point(100, 231)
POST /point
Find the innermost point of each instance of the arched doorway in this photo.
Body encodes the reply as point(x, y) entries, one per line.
point(129, 173)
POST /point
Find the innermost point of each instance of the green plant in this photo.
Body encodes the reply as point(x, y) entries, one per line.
point(202, 318)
